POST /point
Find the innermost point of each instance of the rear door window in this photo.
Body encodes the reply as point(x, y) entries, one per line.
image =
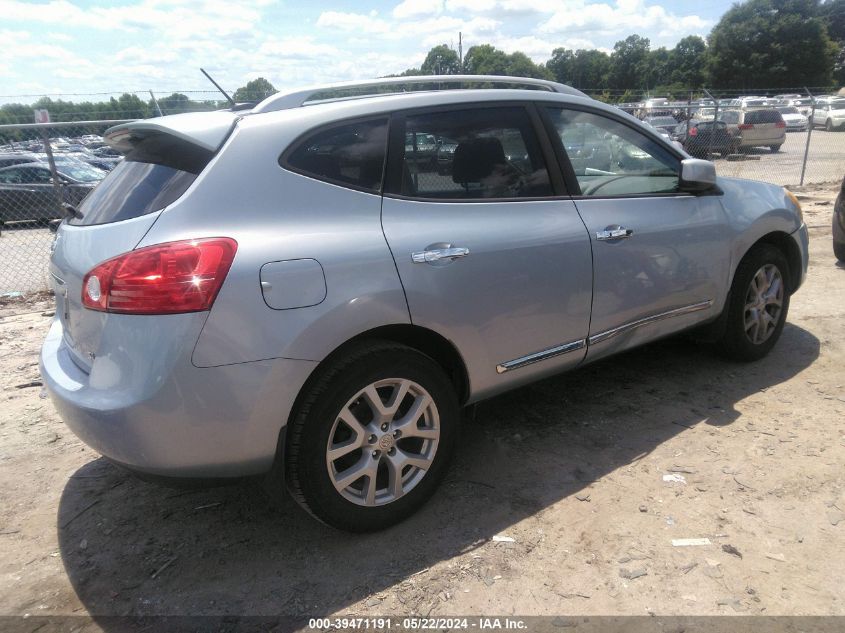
point(478, 153)
point(154, 174)
point(350, 155)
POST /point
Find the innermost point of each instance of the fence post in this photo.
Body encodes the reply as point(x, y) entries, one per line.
point(57, 185)
point(809, 134)
point(713, 126)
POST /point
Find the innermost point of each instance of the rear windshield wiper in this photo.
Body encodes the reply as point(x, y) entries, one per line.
point(71, 211)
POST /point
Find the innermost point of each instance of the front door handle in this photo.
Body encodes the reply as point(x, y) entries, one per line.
point(439, 254)
point(614, 233)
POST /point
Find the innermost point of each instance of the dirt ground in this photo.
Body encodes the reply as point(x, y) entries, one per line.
point(565, 498)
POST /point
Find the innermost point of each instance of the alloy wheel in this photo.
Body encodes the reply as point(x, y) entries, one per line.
point(763, 304)
point(383, 442)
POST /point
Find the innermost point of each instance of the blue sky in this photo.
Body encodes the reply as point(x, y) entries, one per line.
point(90, 46)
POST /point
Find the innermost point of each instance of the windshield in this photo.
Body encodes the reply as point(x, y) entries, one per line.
point(838, 106)
point(788, 110)
point(662, 120)
point(83, 172)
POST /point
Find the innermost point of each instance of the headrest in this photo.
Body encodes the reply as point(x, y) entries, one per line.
point(475, 159)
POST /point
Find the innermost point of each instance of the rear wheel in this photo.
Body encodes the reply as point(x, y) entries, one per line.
point(757, 305)
point(373, 437)
point(839, 251)
point(828, 125)
point(775, 148)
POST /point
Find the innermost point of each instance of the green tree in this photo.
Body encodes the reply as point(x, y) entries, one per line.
point(520, 65)
point(441, 60)
point(833, 14)
point(689, 62)
point(176, 103)
point(590, 69)
point(255, 90)
point(771, 44)
point(561, 64)
point(629, 62)
point(484, 59)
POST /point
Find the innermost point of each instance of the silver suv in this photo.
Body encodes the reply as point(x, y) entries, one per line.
point(307, 288)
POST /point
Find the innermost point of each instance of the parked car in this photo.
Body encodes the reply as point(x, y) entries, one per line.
point(831, 115)
point(17, 158)
point(665, 123)
point(756, 128)
point(839, 224)
point(795, 121)
point(702, 137)
point(27, 192)
point(230, 301)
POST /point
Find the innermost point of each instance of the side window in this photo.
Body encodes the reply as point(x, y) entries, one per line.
point(10, 176)
point(37, 175)
point(480, 153)
point(612, 159)
point(351, 154)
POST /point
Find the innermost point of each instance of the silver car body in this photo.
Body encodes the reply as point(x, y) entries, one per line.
point(208, 394)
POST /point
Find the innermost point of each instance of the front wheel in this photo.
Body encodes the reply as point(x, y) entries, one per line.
point(775, 148)
point(757, 305)
point(372, 438)
point(828, 125)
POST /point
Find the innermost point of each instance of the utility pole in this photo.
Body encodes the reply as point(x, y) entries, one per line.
point(460, 53)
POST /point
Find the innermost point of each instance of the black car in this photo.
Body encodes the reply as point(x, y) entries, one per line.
point(839, 225)
point(702, 137)
point(27, 192)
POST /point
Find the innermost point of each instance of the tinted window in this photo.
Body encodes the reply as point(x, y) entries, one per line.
point(729, 117)
point(763, 116)
point(351, 154)
point(611, 159)
point(154, 174)
point(479, 153)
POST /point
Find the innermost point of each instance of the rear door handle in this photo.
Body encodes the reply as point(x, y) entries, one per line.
point(439, 254)
point(614, 233)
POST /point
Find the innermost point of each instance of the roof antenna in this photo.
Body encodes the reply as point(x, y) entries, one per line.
point(216, 85)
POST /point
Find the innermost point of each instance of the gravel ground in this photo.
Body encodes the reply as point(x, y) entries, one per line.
point(567, 498)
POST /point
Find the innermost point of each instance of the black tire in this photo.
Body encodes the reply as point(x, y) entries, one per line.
point(775, 148)
point(828, 125)
point(839, 251)
point(735, 342)
point(311, 426)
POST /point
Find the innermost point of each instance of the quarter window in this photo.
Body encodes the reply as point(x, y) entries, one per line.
point(612, 159)
point(351, 155)
point(489, 153)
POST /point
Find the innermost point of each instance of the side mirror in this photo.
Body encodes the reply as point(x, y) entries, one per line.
point(697, 176)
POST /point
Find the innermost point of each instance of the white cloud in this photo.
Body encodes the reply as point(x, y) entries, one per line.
point(352, 22)
point(627, 16)
point(416, 8)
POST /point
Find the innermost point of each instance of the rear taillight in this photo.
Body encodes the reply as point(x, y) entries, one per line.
point(780, 124)
point(166, 278)
point(746, 126)
point(693, 131)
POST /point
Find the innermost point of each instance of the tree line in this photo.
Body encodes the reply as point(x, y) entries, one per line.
point(757, 46)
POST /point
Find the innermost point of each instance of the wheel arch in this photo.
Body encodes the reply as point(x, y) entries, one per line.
point(786, 245)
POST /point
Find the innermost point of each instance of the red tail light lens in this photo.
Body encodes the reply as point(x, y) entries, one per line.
point(780, 124)
point(162, 279)
point(693, 131)
point(746, 126)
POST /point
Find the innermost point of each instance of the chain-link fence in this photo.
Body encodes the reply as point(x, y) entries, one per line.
point(46, 170)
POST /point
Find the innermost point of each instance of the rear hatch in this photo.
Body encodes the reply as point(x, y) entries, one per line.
point(762, 127)
point(163, 158)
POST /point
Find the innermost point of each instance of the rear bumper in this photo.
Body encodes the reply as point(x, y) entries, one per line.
point(156, 413)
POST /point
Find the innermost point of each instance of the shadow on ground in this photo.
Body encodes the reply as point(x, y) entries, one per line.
point(134, 548)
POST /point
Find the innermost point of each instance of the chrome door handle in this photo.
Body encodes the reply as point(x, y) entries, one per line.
point(439, 254)
point(614, 233)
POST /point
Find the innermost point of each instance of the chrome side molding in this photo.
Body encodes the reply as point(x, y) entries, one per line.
point(627, 327)
point(516, 363)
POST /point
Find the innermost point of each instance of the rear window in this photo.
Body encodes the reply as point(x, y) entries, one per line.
point(763, 116)
point(729, 117)
point(350, 155)
point(155, 173)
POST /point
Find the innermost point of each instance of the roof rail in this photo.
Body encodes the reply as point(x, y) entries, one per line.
point(298, 98)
